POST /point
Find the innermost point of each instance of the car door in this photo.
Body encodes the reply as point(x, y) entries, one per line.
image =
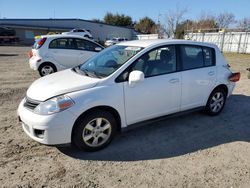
point(160, 92)
point(63, 51)
point(198, 75)
point(86, 49)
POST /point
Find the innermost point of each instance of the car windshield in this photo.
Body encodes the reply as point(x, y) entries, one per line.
point(107, 61)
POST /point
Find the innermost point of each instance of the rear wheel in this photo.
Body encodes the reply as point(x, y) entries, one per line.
point(94, 131)
point(216, 102)
point(46, 69)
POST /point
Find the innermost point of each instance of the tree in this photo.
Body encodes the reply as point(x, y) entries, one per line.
point(207, 25)
point(182, 27)
point(224, 20)
point(173, 19)
point(97, 20)
point(146, 25)
point(244, 24)
point(117, 19)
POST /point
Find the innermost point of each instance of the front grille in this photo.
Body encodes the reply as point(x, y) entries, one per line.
point(31, 104)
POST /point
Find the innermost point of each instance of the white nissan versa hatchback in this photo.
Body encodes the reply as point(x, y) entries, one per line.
point(125, 84)
point(52, 53)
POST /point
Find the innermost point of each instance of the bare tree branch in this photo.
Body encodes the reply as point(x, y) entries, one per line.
point(224, 20)
point(244, 24)
point(173, 18)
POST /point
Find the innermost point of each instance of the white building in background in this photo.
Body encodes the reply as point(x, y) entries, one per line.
point(27, 29)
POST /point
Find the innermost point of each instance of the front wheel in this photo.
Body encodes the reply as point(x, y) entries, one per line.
point(94, 131)
point(216, 102)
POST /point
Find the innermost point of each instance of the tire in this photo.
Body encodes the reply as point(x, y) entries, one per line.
point(46, 69)
point(94, 130)
point(216, 102)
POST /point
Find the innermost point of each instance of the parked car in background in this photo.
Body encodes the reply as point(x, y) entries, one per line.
point(88, 104)
point(5, 31)
point(114, 41)
point(79, 32)
point(8, 35)
point(52, 53)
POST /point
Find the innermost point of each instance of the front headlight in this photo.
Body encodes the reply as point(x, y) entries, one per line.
point(54, 105)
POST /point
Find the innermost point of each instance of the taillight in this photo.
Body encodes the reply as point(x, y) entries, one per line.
point(40, 43)
point(234, 77)
point(30, 54)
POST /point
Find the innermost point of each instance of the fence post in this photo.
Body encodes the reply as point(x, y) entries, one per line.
point(203, 36)
point(222, 41)
point(245, 42)
point(238, 50)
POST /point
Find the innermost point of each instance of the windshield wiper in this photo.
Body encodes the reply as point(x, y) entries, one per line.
point(91, 73)
point(79, 71)
point(86, 72)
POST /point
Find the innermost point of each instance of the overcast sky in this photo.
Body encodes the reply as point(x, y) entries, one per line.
point(135, 8)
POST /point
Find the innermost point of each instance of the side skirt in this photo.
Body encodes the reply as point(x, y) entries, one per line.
point(161, 118)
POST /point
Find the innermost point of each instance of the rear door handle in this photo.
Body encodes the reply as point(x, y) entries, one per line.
point(174, 80)
point(211, 73)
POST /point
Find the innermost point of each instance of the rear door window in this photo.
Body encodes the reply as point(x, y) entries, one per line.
point(191, 57)
point(196, 57)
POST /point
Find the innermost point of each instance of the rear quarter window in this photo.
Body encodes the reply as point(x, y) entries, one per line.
point(209, 56)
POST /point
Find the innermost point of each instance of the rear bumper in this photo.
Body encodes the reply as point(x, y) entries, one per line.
point(33, 62)
point(230, 87)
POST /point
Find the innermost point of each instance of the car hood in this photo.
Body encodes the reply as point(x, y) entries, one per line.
point(59, 83)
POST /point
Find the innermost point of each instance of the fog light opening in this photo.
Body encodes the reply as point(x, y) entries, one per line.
point(39, 133)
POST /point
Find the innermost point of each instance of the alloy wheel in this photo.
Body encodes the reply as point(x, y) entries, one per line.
point(96, 132)
point(217, 102)
point(46, 70)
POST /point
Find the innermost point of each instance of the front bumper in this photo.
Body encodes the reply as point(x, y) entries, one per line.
point(52, 129)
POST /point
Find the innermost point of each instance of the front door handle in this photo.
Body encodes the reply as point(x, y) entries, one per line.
point(174, 80)
point(211, 73)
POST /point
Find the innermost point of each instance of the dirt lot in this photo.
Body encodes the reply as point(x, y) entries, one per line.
point(193, 150)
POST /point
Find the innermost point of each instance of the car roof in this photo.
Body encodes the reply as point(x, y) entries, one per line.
point(68, 36)
point(153, 42)
point(62, 36)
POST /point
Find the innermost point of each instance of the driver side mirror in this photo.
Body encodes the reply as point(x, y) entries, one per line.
point(98, 49)
point(135, 77)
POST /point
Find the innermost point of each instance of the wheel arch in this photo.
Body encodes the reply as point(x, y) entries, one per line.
point(110, 109)
point(223, 86)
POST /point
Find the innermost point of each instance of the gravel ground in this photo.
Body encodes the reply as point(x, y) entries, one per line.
point(193, 150)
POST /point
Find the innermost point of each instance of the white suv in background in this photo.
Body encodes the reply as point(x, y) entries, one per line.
point(79, 32)
point(123, 85)
point(52, 53)
point(114, 41)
